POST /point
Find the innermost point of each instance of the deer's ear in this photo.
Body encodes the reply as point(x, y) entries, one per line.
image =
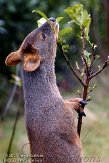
point(13, 58)
point(31, 62)
point(30, 58)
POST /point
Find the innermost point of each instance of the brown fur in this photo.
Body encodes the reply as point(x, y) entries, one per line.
point(49, 119)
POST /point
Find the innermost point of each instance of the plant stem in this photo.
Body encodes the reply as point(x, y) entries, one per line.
point(88, 75)
point(86, 81)
point(84, 96)
point(99, 71)
point(12, 136)
point(69, 64)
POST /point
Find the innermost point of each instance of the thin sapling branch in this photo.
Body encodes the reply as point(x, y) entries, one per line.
point(81, 17)
point(69, 64)
point(100, 70)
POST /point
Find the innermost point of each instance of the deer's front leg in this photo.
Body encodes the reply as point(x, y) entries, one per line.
point(76, 104)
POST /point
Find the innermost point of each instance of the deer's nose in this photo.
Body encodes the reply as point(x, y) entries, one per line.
point(52, 19)
point(53, 22)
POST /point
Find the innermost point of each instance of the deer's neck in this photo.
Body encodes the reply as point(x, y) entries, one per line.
point(40, 89)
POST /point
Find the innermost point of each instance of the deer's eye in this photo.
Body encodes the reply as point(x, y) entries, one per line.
point(43, 36)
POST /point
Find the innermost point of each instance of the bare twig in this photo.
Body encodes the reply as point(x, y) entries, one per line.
point(69, 64)
point(87, 76)
point(86, 81)
point(78, 69)
point(101, 69)
point(84, 96)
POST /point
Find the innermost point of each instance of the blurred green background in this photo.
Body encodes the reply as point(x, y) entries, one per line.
point(16, 21)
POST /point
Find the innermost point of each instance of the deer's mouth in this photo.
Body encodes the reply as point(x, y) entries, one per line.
point(55, 26)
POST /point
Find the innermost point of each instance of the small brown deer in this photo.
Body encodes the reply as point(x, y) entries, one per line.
point(50, 124)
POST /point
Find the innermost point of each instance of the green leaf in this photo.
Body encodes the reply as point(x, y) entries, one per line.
point(41, 21)
point(75, 13)
point(97, 56)
point(87, 25)
point(99, 67)
point(59, 19)
point(95, 85)
point(61, 41)
point(77, 66)
point(65, 48)
point(16, 80)
point(87, 54)
point(80, 16)
point(94, 46)
point(41, 14)
point(65, 31)
point(84, 16)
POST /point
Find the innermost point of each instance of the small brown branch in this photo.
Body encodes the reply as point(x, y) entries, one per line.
point(99, 71)
point(69, 64)
point(84, 96)
point(90, 91)
point(88, 75)
point(85, 90)
point(86, 81)
point(79, 71)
